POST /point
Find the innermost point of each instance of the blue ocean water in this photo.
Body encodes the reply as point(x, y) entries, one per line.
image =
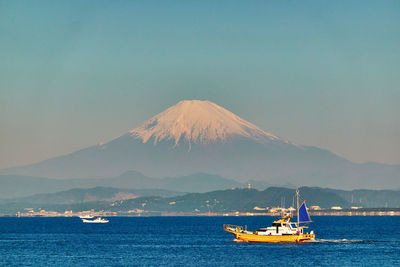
point(177, 241)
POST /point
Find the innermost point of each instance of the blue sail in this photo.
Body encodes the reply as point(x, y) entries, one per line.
point(303, 214)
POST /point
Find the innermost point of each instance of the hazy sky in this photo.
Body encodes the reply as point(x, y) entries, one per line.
point(321, 73)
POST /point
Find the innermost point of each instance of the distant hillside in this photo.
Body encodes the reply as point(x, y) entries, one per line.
point(232, 200)
point(215, 201)
point(370, 198)
point(198, 182)
point(15, 186)
point(92, 198)
point(157, 201)
point(105, 194)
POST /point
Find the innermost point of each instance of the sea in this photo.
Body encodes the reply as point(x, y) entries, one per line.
point(194, 241)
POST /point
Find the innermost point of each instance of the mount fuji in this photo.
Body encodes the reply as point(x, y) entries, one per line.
point(200, 136)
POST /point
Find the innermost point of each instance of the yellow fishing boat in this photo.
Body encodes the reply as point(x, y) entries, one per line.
point(282, 230)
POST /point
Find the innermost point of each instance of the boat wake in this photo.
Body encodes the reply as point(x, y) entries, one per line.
point(336, 241)
point(342, 241)
point(239, 241)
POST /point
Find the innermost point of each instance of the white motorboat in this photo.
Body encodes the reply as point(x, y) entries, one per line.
point(96, 220)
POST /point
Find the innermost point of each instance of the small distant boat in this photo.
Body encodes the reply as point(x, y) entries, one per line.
point(86, 217)
point(96, 220)
point(282, 230)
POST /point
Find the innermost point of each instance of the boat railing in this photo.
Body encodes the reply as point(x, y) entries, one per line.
point(234, 228)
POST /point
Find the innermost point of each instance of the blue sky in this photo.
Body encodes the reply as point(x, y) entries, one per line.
point(321, 73)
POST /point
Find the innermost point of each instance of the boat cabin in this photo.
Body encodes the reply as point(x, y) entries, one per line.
point(283, 226)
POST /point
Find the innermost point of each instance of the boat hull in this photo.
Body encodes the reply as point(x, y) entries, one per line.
point(249, 236)
point(94, 221)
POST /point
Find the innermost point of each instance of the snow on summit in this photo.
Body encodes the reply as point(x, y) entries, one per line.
point(198, 121)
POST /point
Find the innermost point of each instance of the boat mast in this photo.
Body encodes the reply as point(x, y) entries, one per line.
point(297, 196)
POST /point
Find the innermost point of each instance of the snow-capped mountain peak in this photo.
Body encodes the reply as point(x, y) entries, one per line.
point(197, 121)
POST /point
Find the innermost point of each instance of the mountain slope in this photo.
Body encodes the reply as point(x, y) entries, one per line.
point(201, 137)
point(199, 122)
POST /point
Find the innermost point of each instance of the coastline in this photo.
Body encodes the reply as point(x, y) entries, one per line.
point(344, 212)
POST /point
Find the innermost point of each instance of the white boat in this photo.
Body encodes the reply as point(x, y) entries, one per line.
point(97, 220)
